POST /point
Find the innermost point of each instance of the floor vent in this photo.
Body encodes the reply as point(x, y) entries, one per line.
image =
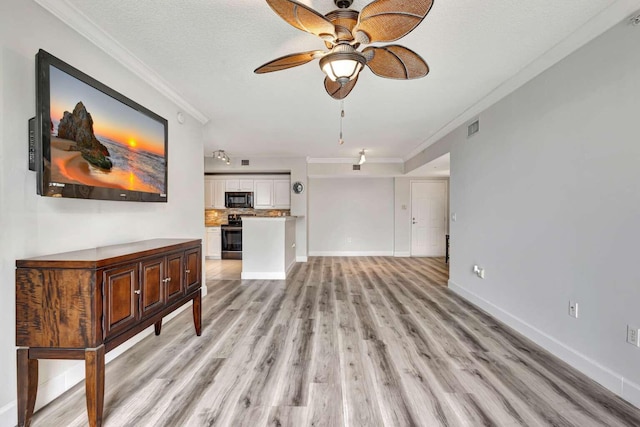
point(356, 167)
point(473, 128)
point(245, 163)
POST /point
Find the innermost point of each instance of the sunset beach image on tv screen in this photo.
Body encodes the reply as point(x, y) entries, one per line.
point(98, 141)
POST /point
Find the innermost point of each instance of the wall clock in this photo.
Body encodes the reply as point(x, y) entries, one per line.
point(298, 187)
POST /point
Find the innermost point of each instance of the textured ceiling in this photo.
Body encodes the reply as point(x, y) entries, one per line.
point(207, 51)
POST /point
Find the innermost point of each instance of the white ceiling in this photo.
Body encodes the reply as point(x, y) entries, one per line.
point(206, 50)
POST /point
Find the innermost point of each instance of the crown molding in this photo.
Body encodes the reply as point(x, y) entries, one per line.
point(352, 160)
point(619, 11)
point(81, 23)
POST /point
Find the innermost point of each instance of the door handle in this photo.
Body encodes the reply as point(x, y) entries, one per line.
point(137, 292)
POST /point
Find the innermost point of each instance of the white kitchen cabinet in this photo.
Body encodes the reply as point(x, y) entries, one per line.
point(272, 194)
point(214, 193)
point(239, 185)
point(263, 196)
point(219, 187)
point(209, 193)
point(281, 194)
point(214, 243)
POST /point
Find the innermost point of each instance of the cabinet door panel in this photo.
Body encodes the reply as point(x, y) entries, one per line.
point(232, 185)
point(120, 301)
point(245, 185)
point(209, 194)
point(219, 190)
point(281, 194)
point(263, 196)
point(152, 286)
point(193, 269)
point(214, 244)
point(175, 285)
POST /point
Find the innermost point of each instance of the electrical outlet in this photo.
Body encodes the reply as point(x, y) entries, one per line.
point(348, 239)
point(479, 271)
point(573, 309)
point(633, 336)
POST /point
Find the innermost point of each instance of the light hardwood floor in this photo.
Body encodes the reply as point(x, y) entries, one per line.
point(221, 269)
point(366, 341)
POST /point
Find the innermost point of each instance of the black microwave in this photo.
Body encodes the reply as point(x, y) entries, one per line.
point(243, 199)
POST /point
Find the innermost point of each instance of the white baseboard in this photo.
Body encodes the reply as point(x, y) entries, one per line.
point(597, 372)
point(301, 259)
point(351, 253)
point(398, 254)
point(631, 392)
point(263, 275)
point(54, 387)
point(9, 415)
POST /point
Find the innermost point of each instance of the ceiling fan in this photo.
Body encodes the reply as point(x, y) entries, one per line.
point(344, 30)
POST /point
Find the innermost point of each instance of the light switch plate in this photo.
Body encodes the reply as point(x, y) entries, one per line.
point(633, 337)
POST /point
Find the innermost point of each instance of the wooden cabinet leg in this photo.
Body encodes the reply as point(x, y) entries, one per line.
point(197, 313)
point(158, 327)
point(94, 384)
point(27, 386)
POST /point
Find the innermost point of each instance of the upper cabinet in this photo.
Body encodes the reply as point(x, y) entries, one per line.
point(269, 192)
point(281, 193)
point(263, 197)
point(239, 185)
point(272, 194)
point(214, 193)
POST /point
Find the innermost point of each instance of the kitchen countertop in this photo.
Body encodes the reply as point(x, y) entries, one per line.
point(219, 223)
point(251, 218)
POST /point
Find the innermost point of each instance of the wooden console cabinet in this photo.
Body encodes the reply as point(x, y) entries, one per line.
point(81, 305)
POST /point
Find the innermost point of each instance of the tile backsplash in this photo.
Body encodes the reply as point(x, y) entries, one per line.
point(213, 217)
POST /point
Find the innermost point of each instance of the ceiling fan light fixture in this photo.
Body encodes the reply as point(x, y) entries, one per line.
point(343, 64)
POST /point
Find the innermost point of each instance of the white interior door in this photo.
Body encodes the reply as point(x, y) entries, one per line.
point(428, 217)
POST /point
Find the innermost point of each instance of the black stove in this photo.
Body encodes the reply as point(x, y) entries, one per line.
point(232, 236)
point(234, 220)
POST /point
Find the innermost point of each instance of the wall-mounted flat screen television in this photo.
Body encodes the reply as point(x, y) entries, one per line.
point(92, 142)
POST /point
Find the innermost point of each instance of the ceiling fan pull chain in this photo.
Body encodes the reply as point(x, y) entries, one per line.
point(341, 118)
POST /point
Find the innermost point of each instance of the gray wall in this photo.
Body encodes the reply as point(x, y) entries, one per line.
point(31, 225)
point(547, 199)
point(359, 209)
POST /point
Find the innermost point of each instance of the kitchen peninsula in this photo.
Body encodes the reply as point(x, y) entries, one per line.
point(268, 246)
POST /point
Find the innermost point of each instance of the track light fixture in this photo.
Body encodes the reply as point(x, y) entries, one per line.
point(221, 155)
point(362, 157)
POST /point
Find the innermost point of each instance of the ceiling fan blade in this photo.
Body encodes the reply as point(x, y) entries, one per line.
point(288, 61)
point(336, 91)
point(396, 62)
point(303, 17)
point(389, 20)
